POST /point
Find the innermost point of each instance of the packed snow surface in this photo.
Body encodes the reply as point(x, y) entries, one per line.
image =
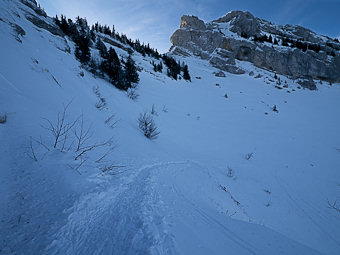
point(227, 175)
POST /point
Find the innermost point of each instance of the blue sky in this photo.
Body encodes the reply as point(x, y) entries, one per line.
point(154, 21)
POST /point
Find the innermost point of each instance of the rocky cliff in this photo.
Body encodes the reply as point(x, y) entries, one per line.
point(293, 51)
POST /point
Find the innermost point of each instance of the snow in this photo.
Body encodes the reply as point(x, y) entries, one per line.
point(173, 195)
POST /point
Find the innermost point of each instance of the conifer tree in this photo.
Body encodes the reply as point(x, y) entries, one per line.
point(186, 75)
point(82, 51)
point(57, 21)
point(64, 25)
point(82, 40)
point(131, 74)
point(102, 48)
point(112, 67)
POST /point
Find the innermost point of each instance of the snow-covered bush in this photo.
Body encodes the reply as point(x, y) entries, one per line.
point(148, 126)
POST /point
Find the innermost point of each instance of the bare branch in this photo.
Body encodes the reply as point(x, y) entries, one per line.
point(91, 147)
point(61, 128)
point(334, 206)
point(82, 136)
point(32, 150)
point(80, 164)
point(41, 143)
point(105, 155)
point(109, 169)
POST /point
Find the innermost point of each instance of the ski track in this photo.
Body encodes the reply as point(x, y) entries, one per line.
point(304, 212)
point(125, 218)
point(135, 219)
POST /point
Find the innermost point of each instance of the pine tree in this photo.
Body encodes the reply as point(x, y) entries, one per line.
point(64, 25)
point(82, 51)
point(270, 39)
point(57, 21)
point(111, 66)
point(82, 40)
point(102, 48)
point(160, 67)
point(131, 74)
point(186, 75)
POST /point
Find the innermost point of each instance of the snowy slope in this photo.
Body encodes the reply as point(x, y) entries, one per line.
point(173, 195)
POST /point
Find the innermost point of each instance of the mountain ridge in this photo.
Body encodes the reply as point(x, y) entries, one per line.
point(289, 50)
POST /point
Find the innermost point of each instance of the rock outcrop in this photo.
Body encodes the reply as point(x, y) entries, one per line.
point(293, 51)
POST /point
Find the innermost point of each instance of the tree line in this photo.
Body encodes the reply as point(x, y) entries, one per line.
point(121, 73)
point(287, 42)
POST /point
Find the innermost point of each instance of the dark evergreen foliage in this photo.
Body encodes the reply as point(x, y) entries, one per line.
point(270, 39)
point(131, 76)
point(244, 35)
point(157, 67)
point(82, 51)
point(302, 45)
point(85, 37)
point(174, 68)
point(111, 66)
point(263, 38)
point(63, 25)
point(186, 75)
point(82, 40)
point(284, 42)
point(102, 48)
point(314, 47)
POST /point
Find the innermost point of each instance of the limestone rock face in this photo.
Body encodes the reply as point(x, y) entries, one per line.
point(241, 22)
point(192, 22)
point(231, 38)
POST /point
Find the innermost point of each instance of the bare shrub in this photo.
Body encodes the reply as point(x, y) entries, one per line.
point(275, 109)
point(334, 205)
point(267, 191)
point(111, 121)
point(77, 137)
point(132, 93)
point(61, 127)
point(165, 109)
point(148, 126)
point(3, 118)
point(32, 154)
point(96, 91)
point(153, 110)
point(248, 156)
point(230, 172)
point(101, 103)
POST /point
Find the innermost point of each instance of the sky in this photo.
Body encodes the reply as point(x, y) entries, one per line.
point(154, 21)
